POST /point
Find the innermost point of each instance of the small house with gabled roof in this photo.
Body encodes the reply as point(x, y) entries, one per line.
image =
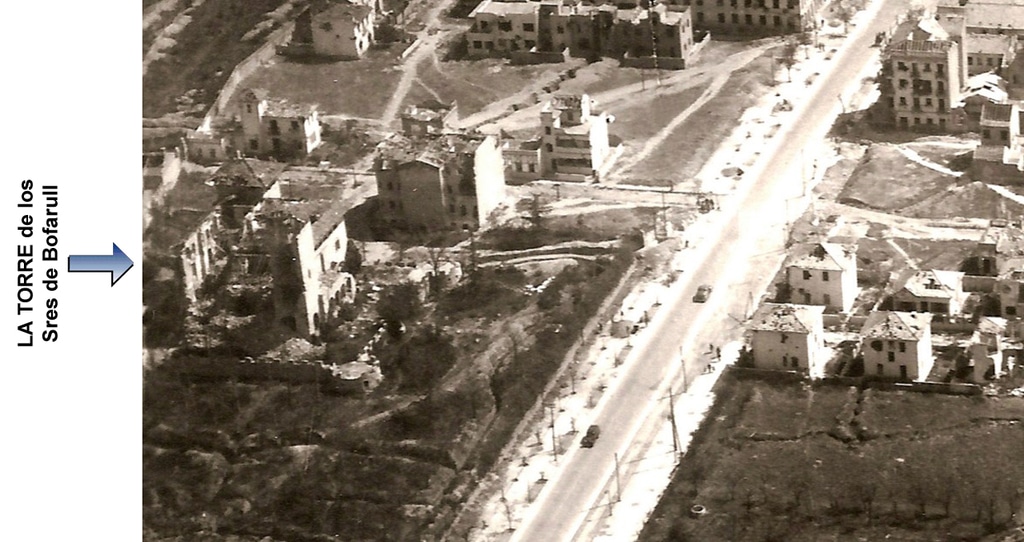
point(898, 345)
point(932, 290)
point(789, 337)
point(825, 275)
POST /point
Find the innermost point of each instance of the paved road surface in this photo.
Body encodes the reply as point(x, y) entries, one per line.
point(578, 487)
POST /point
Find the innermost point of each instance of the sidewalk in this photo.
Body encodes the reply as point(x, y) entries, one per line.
point(567, 418)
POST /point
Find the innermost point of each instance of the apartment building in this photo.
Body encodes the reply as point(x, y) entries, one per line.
point(825, 275)
point(921, 77)
point(584, 30)
point(752, 17)
point(450, 182)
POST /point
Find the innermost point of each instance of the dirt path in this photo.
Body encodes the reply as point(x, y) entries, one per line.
point(429, 38)
point(721, 74)
point(905, 227)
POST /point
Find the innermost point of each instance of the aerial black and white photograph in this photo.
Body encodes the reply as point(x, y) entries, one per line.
point(581, 270)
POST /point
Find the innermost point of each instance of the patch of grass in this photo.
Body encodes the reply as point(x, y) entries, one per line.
point(935, 254)
point(930, 479)
point(887, 180)
point(339, 88)
point(683, 154)
point(475, 84)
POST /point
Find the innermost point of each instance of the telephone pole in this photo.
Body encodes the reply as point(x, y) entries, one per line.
point(554, 439)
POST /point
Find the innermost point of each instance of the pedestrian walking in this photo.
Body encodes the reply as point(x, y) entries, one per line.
point(718, 353)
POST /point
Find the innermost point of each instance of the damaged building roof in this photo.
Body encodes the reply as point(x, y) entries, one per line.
point(827, 257)
point(907, 326)
point(248, 172)
point(311, 196)
point(435, 151)
point(787, 318)
point(935, 283)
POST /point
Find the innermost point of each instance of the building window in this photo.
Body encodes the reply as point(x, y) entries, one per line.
point(824, 276)
point(986, 134)
point(904, 83)
point(827, 299)
point(928, 102)
point(749, 19)
point(254, 144)
point(777, 21)
point(927, 66)
point(560, 30)
point(700, 19)
point(736, 18)
point(549, 147)
point(505, 26)
point(527, 27)
point(940, 68)
point(547, 130)
point(337, 244)
point(462, 210)
point(903, 346)
point(295, 126)
point(530, 168)
point(478, 45)
point(970, 61)
point(807, 275)
point(891, 355)
point(721, 17)
point(1004, 135)
point(763, 20)
point(784, 338)
point(903, 100)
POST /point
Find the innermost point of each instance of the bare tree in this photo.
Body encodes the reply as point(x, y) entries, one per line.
point(787, 58)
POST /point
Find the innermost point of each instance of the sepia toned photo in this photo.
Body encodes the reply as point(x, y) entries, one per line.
point(582, 270)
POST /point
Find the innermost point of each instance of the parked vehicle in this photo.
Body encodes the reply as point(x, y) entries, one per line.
point(590, 437)
point(703, 292)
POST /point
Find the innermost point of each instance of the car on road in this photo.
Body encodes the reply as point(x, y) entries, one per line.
point(590, 437)
point(703, 291)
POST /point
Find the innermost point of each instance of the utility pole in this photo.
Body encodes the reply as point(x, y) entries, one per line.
point(508, 510)
point(672, 419)
point(686, 384)
point(554, 439)
point(618, 485)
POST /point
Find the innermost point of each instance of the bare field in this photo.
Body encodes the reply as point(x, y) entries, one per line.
point(911, 466)
point(684, 152)
point(359, 89)
point(479, 83)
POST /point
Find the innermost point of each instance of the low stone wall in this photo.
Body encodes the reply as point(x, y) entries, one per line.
point(650, 62)
point(244, 69)
point(524, 58)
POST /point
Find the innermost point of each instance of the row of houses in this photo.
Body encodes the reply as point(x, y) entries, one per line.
point(662, 33)
point(897, 343)
point(894, 345)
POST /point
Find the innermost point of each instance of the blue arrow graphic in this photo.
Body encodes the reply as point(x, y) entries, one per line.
point(117, 264)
